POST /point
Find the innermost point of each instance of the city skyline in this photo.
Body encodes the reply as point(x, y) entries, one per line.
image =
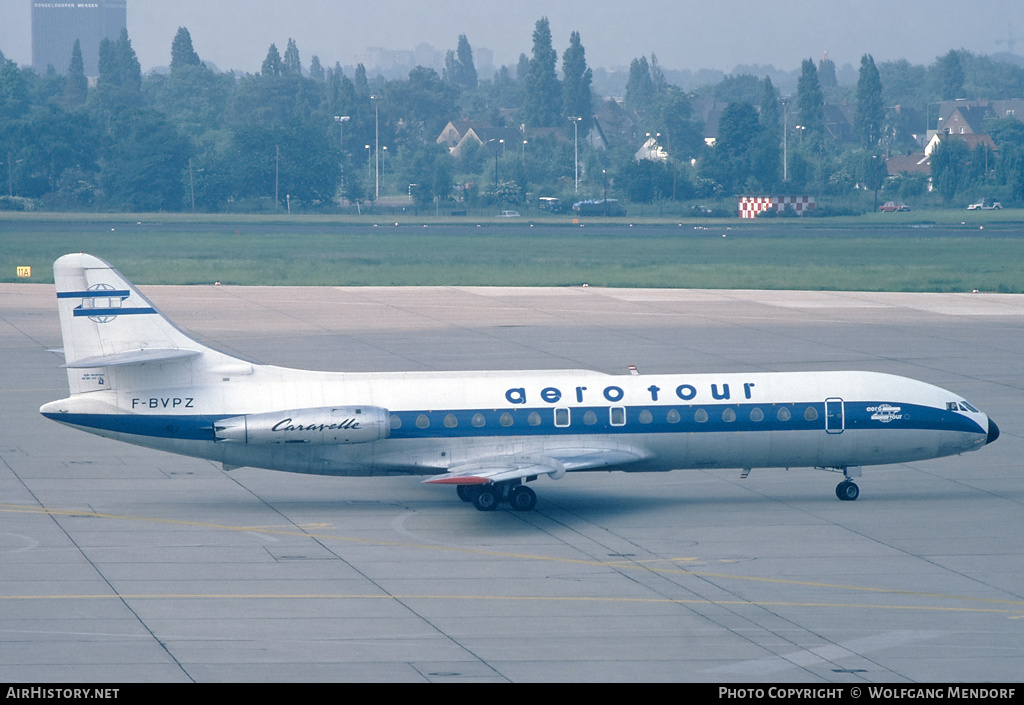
point(683, 35)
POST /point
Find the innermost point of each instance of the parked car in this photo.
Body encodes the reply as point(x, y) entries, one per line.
point(893, 206)
point(509, 214)
point(985, 204)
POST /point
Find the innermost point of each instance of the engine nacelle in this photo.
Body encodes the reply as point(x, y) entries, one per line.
point(329, 425)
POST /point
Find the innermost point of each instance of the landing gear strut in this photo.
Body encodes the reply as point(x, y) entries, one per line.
point(486, 498)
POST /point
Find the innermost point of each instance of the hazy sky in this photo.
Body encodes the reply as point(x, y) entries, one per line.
point(716, 34)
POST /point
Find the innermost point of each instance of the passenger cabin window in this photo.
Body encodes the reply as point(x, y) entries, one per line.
point(395, 422)
point(756, 415)
point(729, 415)
point(478, 420)
point(450, 421)
point(701, 416)
point(505, 419)
point(533, 419)
point(645, 417)
point(422, 421)
point(590, 418)
point(783, 414)
point(810, 414)
point(673, 416)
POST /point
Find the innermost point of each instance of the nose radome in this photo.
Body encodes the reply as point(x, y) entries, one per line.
point(993, 431)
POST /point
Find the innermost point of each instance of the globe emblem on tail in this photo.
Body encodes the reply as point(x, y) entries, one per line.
point(102, 303)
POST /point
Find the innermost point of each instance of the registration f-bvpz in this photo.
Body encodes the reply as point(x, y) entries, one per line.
point(137, 378)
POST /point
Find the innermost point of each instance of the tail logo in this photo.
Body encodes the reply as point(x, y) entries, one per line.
point(102, 303)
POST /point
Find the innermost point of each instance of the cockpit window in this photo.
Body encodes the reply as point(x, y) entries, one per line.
point(960, 406)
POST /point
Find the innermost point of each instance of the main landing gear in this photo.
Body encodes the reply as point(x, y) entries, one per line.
point(486, 498)
point(846, 490)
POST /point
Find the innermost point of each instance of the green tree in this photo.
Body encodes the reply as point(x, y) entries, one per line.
point(76, 86)
point(316, 69)
point(766, 158)
point(143, 166)
point(949, 167)
point(14, 98)
point(272, 65)
point(577, 97)
point(460, 71)
point(291, 63)
point(182, 53)
point(120, 80)
point(671, 114)
point(542, 93)
point(640, 90)
point(54, 141)
point(869, 117)
point(729, 162)
point(950, 73)
point(810, 103)
point(297, 160)
point(647, 180)
point(424, 102)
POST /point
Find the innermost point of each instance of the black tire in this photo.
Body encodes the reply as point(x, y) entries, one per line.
point(487, 499)
point(465, 492)
point(847, 491)
point(522, 498)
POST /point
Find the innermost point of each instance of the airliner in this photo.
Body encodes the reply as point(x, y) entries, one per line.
point(135, 377)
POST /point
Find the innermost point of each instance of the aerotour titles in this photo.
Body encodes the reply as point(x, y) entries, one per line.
point(613, 394)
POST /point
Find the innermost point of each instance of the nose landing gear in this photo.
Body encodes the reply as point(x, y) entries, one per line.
point(847, 491)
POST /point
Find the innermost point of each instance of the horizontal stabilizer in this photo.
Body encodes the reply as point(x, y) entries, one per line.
point(134, 357)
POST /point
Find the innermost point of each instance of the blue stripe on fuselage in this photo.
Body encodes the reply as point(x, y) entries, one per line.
point(857, 417)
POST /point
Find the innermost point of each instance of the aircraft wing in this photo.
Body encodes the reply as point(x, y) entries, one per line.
point(554, 462)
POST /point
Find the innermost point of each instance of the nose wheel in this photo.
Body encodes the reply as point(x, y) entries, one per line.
point(847, 491)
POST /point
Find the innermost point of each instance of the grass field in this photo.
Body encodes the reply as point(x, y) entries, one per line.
point(880, 252)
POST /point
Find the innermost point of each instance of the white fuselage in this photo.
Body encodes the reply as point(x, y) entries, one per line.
point(440, 420)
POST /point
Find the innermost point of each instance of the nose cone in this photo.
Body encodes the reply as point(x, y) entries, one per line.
point(993, 431)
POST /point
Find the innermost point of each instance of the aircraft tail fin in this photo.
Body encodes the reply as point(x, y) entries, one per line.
point(107, 323)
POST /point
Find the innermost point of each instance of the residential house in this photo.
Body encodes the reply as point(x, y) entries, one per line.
point(972, 140)
point(651, 150)
point(455, 130)
point(497, 140)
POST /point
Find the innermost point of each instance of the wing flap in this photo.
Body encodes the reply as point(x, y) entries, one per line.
point(554, 462)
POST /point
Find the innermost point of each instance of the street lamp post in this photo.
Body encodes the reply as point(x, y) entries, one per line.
point(341, 120)
point(785, 141)
point(376, 137)
point(604, 177)
point(575, 120)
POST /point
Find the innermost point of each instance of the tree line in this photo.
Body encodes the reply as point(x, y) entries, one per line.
point(314, 137)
